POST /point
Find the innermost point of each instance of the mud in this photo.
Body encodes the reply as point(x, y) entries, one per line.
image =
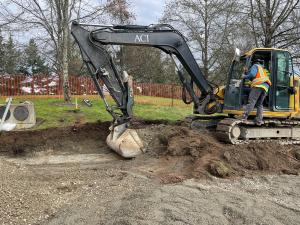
point(69, 176)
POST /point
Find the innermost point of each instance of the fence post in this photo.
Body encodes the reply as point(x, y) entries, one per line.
point(1, 93)
point(19, 85)
point(59, 86)
point(10, 91)
point(14, 93)
point(47, 78)
point(32, 85)
point(172, 94)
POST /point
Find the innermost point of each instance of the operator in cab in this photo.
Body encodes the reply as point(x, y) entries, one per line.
point(260, 84)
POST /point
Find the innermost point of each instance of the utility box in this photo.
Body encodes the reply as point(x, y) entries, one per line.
point(22, 114)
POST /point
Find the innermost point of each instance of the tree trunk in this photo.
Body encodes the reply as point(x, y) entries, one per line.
point(65, 65)
point(268, 39)
point(253, 24)
point(268, 23)
point(206, 36)
point(65, 44)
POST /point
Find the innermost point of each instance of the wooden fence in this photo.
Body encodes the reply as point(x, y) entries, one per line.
point(18, 85)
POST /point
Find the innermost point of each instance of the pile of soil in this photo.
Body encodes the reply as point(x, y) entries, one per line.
point(208, 156)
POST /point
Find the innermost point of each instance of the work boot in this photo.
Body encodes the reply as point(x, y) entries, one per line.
point(243, 118)
point(258, 123)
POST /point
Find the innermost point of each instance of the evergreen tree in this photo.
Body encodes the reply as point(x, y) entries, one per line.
point(149, 65)
point(32, 61)
point(11, 57)
point(2, 58)
point(76, 66)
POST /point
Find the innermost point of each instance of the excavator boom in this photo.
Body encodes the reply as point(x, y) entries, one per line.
point(163, 37)
point(92, 44)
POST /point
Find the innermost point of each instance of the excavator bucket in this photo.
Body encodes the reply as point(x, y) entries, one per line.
point(125, 142)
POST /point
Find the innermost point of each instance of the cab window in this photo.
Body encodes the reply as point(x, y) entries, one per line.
point(238, 69)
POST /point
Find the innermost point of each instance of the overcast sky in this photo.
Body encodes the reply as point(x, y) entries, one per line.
point(147, 11)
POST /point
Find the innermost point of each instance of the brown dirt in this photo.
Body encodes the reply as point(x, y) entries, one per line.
point(69, 176)
point(62, 139)
point(174, 152)
point(201, 155)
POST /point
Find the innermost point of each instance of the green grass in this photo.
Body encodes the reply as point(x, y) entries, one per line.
point(55, 114)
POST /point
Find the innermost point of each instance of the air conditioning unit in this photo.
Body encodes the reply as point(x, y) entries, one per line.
point(22, 114)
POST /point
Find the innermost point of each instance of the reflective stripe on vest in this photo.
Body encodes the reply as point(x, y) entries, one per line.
point(261, 77)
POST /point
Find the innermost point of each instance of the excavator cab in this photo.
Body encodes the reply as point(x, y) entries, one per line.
point(279, 67)
point(281, 106)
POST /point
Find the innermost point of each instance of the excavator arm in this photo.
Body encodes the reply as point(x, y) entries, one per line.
point(168, 40)
point(92, 44)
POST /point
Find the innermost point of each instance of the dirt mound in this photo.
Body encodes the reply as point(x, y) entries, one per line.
point(185, 141)
point(210, 157)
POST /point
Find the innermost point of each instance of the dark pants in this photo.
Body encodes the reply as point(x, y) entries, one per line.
point(256, 98)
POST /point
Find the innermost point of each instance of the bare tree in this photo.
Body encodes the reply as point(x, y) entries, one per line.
point(52, 18)
point(208, 26)
point(295, 39)
point(270, 22)
point(120, 13)
point(4, 20)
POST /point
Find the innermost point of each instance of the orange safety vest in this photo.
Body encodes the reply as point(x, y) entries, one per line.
point(261, 77)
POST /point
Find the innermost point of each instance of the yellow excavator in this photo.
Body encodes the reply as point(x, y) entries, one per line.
point(218, 107)
point(281, 106)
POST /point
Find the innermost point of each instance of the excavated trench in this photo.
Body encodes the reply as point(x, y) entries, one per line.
point(69, 176)
point(174, 152)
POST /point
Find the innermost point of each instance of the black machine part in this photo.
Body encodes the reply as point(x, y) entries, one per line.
point(101, 66)
point(2, 110)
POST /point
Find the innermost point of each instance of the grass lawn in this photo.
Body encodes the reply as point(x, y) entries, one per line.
point(55, 114)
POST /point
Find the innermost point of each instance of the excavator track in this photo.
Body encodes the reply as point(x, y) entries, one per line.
point(237, 132)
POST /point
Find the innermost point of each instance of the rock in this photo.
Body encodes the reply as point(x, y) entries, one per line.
point(227, 156)
point(219, 169)
point(290, 172)
point(297, 155)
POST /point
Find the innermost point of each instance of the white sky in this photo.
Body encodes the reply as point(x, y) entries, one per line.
point(147, 11)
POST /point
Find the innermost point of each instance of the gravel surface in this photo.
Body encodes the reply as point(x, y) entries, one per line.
point(110, 193)
point(71, 177)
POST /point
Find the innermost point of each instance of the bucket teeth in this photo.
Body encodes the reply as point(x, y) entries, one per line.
point(125, 142)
